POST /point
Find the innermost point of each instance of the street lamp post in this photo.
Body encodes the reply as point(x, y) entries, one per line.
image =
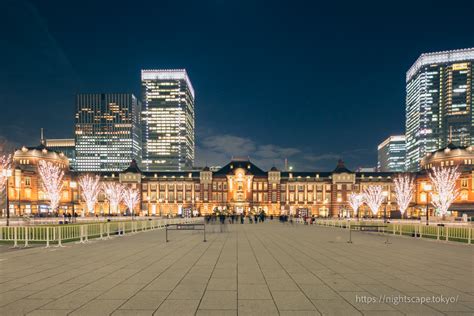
point(160, 201)
point(73, 185)
point(108, 194)
point(427, 189)
point(385, 194)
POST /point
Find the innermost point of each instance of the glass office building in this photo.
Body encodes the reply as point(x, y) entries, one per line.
point(107, 131)
point(67, 146)
point(439, 102)
point(168, 120)
point(391, 154)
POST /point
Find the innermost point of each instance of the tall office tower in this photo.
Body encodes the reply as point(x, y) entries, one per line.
point(65, 145)
point(108, 131)
point(391, 154)
point(439, 101)
point(168, 120)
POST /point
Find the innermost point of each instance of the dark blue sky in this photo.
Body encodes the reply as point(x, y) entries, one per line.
point(297, 79)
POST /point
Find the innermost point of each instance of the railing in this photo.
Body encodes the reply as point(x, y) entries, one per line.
point(55, 220)
point(446, 233)
point(57, 234)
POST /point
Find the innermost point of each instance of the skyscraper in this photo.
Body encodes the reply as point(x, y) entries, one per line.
point(67, 146)
point(168, 120)
point(439, 101)
point(391, 154)
point(107, 131)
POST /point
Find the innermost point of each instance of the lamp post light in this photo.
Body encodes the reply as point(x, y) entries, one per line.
point(385, 194)
point(160, 201)
point(427, 187)
point(7, 173)
point(73, 185)
point(108, 194)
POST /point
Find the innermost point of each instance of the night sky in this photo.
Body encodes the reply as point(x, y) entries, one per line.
point(310, 82)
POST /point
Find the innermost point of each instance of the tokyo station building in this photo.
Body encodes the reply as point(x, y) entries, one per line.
point(238, 187)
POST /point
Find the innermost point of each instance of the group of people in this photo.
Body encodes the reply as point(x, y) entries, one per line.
point(307, 220)
point(236, 218)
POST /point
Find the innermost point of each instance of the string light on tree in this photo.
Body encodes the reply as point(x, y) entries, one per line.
point(114, 193)
point(90, 187)
point(355, 201)
point(404, 185)
point(131, 197)
point(51, 175)
point(5, 165)
point(374, 197)
point(444, 184)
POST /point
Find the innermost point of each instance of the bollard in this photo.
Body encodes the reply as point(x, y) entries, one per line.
point(26, 237)
point(47, 237)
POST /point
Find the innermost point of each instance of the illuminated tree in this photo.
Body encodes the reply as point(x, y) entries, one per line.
point(444, 187)
point(355, 201)
point(404, 188)
point(90, 187)
point(131, 197)
point(5, 169)
point(51, 175)
point(374, 197)
point(5, 165)
point(114, 193)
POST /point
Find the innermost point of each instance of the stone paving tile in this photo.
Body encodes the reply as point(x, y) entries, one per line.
point(23, 306)
point(135, 312)
point(57, 291)
point(72, 300)
point(219, 300)
point(257, 307)
point(178, 308)
point(189, 292)
point(265, 269)
point(291, 300)
point(49, 312)
point(319, 291)
point(335, 307)
point(12, 296)
point(147, 300)
point(222, 284)
point(254, 292)
point(216, 312)
point(299, 313)
point(282, 285)
point(97, 307)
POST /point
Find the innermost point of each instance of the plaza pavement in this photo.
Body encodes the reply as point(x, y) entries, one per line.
point(253, 269)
